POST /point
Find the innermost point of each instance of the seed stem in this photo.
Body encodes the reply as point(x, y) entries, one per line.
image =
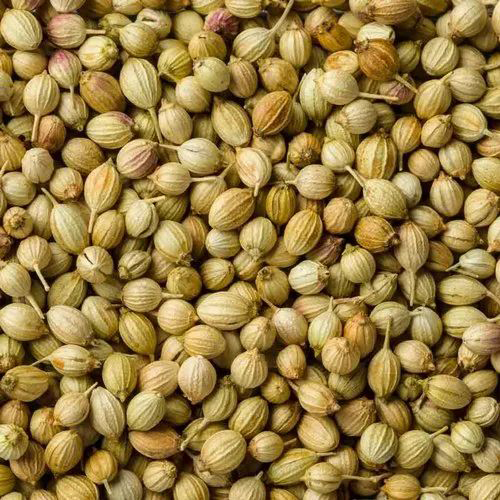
point(387, 339)
point(453, 267)
point(419, 402)
point(167, 295)
point(290, 442)
point(416, 311)
point(407, 84)
point(281, 20)
point(413, 285)
point(356, 175)
point(168, 146)
point(493, 297)
point(373, 479)
point(491, 133)
point(331, 305)
point(35, 305)
point(223, 174)
point(93, 216)
point(269, 303)
point(186, 441)
point(3, 169)
point(36, 126)
point(45, 285)
point(155, 199)
point(348, 300)
point(95, 32)
point(39, 361)
point(445, 78)
point(91, 388)
point(50, 197)
point(368, 95)
point(154, 118)
point(206, 178)
point(440, 431)
point(297, 90)
point(106, 487)
point(494, 319)
point(488, 67)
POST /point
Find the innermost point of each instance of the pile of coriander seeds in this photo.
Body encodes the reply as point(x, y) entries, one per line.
point(249, 249)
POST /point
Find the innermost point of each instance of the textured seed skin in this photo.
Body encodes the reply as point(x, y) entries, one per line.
point(302, 232)
point(63, 451)
point(223, 452)
point(415, 447)
point(249, 369)
point(21, 29)
point(231, 122)
point(447, 392)
point(272, 113)
point(249, 249)
point(196, 378)
point(106, 413)
point(291, 466)
point(231, 209)
point(68, 228)
point(378, 443)
point(385, 199)
point(482, 338)
point(159, 443)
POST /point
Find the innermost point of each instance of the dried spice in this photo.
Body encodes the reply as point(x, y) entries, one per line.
point(249, 249)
